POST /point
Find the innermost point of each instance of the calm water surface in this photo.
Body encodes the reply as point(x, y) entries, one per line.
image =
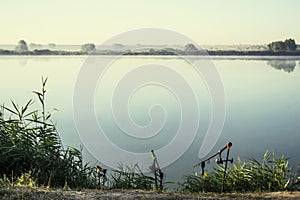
point(262, 103)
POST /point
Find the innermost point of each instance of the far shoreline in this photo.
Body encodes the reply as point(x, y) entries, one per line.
point(160, 52)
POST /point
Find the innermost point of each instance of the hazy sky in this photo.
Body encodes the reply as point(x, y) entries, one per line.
point(206, 22)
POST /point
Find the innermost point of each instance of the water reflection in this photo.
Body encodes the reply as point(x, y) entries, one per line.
point(285, 65)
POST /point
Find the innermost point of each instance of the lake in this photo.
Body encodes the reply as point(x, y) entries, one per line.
point(262, 102)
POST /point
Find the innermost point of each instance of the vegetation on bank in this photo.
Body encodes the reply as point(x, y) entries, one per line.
point(272, 174)
point(287, 45)
point(31, 154)
point(31, 149)
point(38, 52)
point(277, 48)
point(150, 52)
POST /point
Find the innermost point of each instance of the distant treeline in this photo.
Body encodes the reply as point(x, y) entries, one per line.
point(219, 53)
point(159, 52)
point(277, 48)
point(254, 53)
point(40, 52)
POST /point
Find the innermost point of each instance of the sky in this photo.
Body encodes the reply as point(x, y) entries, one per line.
point(209, 22)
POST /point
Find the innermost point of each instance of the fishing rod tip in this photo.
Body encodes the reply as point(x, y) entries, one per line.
point(229, 144)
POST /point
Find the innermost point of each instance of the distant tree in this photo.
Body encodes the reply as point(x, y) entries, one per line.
point(277, 46)
point(32, 46)
point(290, 44)
point(22, 46)
point(51, 45)
point(118, 46)
point(190, 48)
point(287, 45)
point(89, 47)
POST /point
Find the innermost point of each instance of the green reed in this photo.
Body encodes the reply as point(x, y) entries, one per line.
point(272, 174)
point(29, 142)
point(125, 177)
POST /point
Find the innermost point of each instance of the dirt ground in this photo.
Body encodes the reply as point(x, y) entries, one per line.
point(32, 193)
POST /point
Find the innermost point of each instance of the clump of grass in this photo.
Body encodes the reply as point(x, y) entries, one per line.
point(29, 142)
point(26, 179)
point(125, 177)
point(297, 183)
point(272, 174)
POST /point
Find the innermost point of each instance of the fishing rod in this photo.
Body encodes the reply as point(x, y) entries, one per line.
point(225, 168)
point(101, 172)
point(157, 171)
point(219, 160)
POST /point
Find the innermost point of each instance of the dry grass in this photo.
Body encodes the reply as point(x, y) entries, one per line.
point(42, 193)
